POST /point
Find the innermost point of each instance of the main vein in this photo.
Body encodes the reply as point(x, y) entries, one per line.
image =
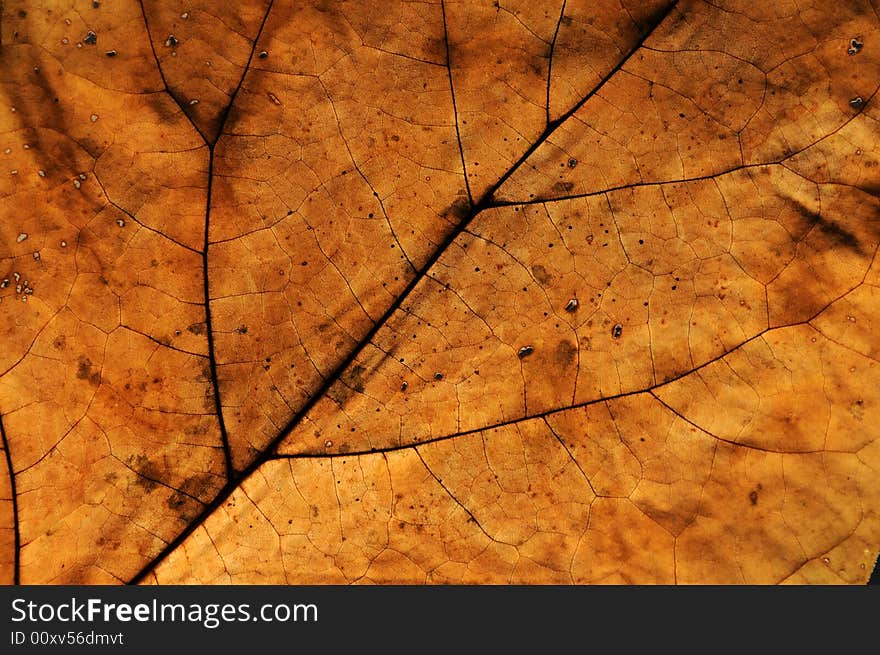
point(485, 202)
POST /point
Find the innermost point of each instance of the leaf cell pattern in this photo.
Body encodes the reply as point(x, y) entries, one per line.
point(439, 292)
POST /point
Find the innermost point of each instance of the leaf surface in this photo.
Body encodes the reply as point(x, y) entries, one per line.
point(481, 292)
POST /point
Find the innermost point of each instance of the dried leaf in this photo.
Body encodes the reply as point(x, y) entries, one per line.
point(480, 292)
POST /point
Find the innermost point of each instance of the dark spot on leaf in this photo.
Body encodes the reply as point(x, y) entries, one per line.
point(198, 328)
point(193, 430)
point(350, 383)
point(356, 378)
point(176, 501)
point(201, 485)
point(84, 371)
point(459, 209)
point(840, 235)
point(541, 274)
point(616, 331)
point(836, 233)
point(566, 353)
point(855, 45)
point(149, 473)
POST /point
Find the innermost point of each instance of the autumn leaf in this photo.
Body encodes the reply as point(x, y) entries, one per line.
point(439, 292)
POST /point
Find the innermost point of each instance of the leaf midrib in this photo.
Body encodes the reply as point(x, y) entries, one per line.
point(236, 478)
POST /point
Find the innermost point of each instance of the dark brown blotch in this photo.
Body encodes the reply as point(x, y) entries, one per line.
point(351, 382)
point(148, 472)
point(84, 371)
point(459, 209)
point(542, 275)
point(203, 486)
point(566, 353)
point(753, 494)
point(561, 188)
point(837, 234)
